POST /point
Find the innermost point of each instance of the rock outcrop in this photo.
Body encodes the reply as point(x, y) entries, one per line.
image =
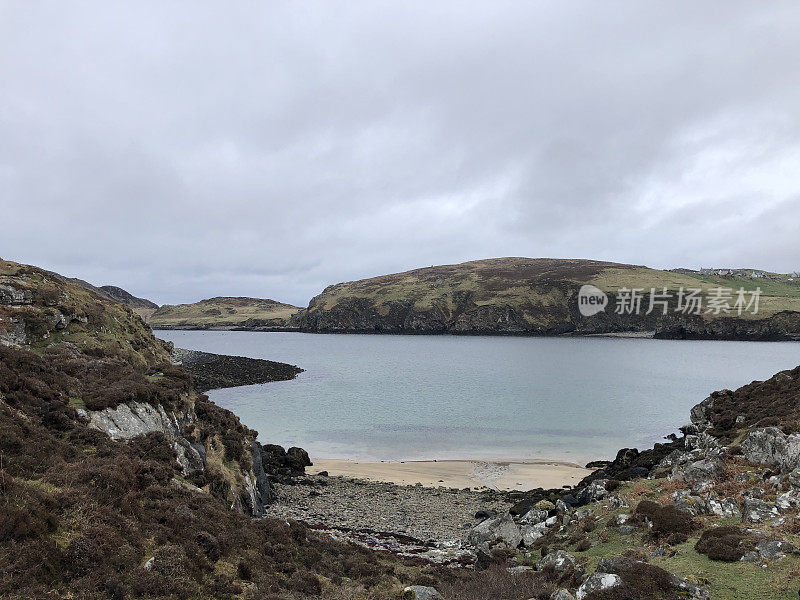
point(494, 533)
point(770, 446)
point(132, 419)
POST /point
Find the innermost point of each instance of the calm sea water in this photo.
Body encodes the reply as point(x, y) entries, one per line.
point(385, 397)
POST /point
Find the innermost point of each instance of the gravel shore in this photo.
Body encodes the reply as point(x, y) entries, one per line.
point(411, 517)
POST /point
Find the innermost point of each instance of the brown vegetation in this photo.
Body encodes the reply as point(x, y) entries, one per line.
point(725, 543)
point(668, 524)
point(760, 404)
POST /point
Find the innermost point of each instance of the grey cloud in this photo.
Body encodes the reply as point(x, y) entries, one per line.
point(184, 150)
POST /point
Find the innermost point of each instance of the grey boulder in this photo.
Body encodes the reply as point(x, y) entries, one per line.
point(788, 501)
point(696, 471)
point(421, 592)
point(531, 533)
point(497, 531)
point(774, 549)
point(593, 492)
point(560, 561)
point(758, 511)
point(533, 516)
point(770, 446)
point(722, 507)
point(597, 581)
point(686, 502)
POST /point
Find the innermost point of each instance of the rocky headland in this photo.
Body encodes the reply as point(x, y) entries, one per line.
point(524, 296)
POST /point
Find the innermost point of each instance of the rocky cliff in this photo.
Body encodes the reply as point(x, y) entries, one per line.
point(520, 296)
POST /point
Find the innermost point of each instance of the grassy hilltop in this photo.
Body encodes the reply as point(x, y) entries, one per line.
point(39, 308)
point(224, 312)
point(539, 296)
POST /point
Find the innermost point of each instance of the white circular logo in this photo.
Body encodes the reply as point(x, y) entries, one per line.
point(591, 300)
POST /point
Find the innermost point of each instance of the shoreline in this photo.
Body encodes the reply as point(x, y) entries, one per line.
point(632, 334)
point(500, 475)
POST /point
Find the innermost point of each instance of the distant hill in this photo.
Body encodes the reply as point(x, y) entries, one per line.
point(225, 312)
point(119, 295)
point(526, 296)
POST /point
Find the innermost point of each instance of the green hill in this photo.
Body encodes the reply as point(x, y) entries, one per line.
point(540, 296)
point(252, 313)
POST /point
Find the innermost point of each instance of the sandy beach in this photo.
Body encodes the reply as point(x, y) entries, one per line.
point(497, 475)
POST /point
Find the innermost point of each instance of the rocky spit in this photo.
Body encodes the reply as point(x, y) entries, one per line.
point(432, 523)
point(214, 371)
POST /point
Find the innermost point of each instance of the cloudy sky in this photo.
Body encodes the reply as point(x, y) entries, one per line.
point(189, 149)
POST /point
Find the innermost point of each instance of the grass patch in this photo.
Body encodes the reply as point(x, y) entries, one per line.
point(77, 403)
point(737, 580)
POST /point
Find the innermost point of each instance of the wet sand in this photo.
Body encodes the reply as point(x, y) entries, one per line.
point(497, 475)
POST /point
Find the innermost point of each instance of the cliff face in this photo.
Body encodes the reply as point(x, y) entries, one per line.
point(246, 488)
point(517, 296)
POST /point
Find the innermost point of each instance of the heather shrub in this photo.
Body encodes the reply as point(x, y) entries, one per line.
point(583, 545)
point(727, 544)
point(668, 523)
point(640, 581)
point(305, 582)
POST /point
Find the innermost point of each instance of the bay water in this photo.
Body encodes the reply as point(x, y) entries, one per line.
point(392, 397)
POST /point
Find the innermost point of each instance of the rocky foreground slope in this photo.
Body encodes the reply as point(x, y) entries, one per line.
point(524, 296)
point(103, 361)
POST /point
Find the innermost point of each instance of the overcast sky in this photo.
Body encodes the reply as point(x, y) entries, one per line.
point(184, 150)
